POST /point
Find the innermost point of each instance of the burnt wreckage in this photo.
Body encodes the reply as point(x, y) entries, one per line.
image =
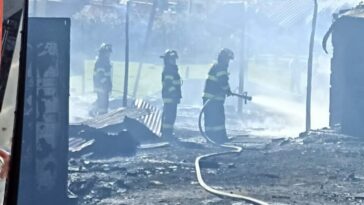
point(42, 143)
point(347, 72)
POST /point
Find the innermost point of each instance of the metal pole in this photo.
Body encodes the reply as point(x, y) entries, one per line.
point(242, 61)
point(309, 70)
point(126, 75)
point(145, 46)
point(42, 8)
point(190, 3)
point(35, 8)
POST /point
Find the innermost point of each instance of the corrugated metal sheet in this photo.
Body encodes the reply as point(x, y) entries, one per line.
point(148, 116)
point(142, 111)
point(153, 120)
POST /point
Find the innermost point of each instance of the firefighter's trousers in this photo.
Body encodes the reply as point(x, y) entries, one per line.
point(214, 116)
point(168, 118)
point(102, 102)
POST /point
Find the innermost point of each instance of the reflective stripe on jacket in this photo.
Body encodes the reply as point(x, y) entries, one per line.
point(102, 75)
point(217, 83)
point(171, 82)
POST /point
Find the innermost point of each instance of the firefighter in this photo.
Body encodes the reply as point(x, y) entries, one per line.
point(102, 79)
point(216, 89)
point(171, 92)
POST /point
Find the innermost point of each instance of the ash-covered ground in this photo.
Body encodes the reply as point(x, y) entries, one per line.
point(321, 167)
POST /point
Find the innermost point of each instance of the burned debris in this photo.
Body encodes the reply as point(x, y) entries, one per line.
point(116, 133)
point(162, 114)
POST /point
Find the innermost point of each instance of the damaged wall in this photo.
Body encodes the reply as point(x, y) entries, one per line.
point(43, 174)
point(347, 89)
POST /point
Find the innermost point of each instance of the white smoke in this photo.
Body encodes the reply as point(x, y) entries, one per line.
point(335, 5)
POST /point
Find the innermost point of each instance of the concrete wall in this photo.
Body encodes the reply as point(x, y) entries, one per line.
point(347, 88)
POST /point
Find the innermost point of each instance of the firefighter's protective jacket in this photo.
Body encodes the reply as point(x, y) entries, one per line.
point(171, 81)
point(217, 84)
point(102, 75)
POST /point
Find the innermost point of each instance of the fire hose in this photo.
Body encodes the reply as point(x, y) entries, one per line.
point(233, 149)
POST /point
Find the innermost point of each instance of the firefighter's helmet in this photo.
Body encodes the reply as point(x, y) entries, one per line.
point(105, 48)
point(170, 54)
point(226, 54)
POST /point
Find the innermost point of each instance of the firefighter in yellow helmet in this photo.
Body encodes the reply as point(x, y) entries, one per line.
point(102, 79)
point(216, 89)
point(171, 92)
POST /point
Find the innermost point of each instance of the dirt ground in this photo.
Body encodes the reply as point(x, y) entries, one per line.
point(322, 167)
